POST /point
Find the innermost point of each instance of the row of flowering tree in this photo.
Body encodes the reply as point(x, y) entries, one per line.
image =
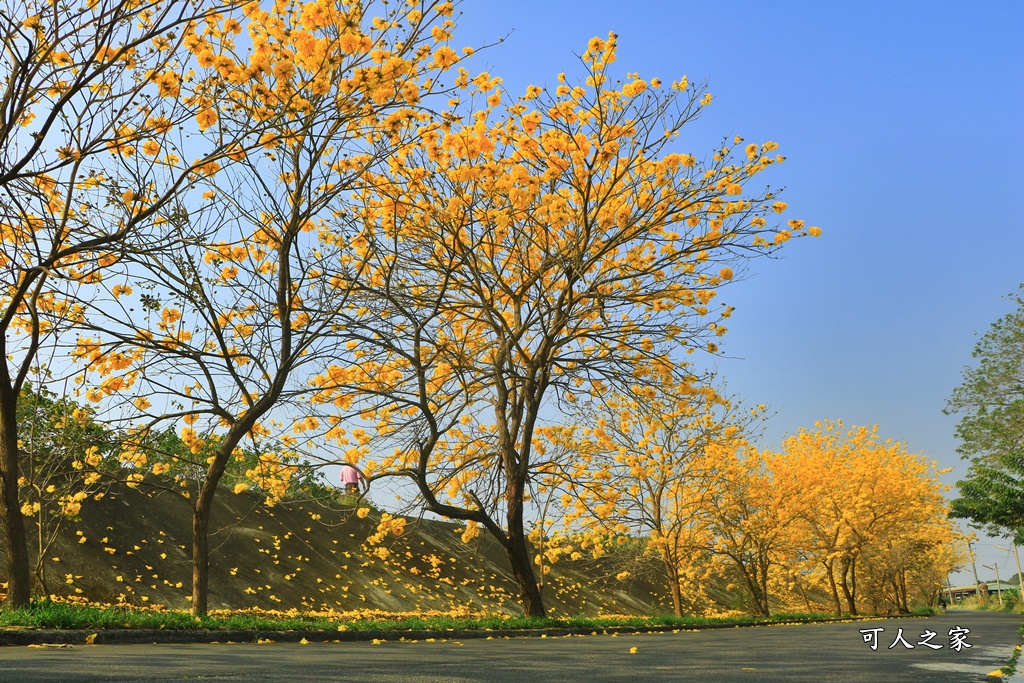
point(835, 512)
point(362, 258)
point(529, 254)
point(192, 287)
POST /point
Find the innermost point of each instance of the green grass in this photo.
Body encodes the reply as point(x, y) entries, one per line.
point(1011, 664)
point(990, 605)
point(44, 614)
point(57, 615)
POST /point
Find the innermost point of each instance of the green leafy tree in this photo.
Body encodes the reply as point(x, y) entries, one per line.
point(58, 438)
point(993, 497)
point(991, 430)
point(179, 469)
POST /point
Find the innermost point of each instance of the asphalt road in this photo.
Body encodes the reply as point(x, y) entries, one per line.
point(813, 652)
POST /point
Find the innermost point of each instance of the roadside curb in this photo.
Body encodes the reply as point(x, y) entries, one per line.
point(70, 637)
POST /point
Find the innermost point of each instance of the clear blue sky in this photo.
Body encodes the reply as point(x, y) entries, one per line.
point(903, 124)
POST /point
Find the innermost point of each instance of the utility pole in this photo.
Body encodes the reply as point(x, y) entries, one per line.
point(1020, 579)
point(977, 584)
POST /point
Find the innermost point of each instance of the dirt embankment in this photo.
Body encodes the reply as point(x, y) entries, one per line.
point(133, 546)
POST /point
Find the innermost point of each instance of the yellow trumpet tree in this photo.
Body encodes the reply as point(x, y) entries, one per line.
point(647, 464)
point(927, 573)
point(857, 502)
point(906, 558)
point(749, 525)
point(88, 94)
point(229, 327)
point(523, 254)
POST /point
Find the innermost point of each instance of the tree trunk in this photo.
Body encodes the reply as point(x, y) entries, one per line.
point(753, 586)
point(201, 525)
point(803, 594)
point(522, 570)
point(830, 573)
point(763, 566)
point(19, 587)
point(851, 605)
point(200, 559)
point(519, 556)
point(512, 540)
point(853, 579)
point(895, 600)
point(672, 570)
point(514, 464)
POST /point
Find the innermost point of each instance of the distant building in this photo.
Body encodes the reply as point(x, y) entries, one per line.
point(968, 591)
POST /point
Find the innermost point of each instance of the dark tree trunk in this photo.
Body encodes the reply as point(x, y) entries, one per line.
point(512, 540)
point(519, 559)
point(672, 570)
point(853, 579)
point(851, 605)
point(763, 566)
point(830, 573)
point(200, 560)
point(751, 578)
point(201, 511)
point(522, 571)
point(19, 587)
point(803, 594)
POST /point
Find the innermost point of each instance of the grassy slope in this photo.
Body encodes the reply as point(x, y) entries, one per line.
point(135, 551)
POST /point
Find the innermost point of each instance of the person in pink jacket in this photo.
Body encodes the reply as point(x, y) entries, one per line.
point(350, 476)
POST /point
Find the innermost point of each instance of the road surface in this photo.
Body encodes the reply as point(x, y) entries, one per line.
point(838, 652)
